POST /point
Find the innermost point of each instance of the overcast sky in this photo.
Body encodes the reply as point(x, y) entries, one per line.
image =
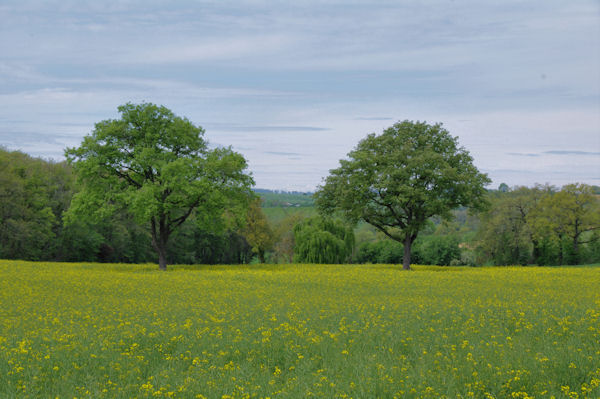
point(295, 87)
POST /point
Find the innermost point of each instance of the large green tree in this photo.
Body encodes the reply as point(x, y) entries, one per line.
point(158, 167)
point(396, 181)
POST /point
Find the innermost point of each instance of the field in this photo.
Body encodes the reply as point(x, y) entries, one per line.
point(277, 214)
point(296, 331)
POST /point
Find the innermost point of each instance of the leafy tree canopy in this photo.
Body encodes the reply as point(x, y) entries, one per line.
point(505, 235)
point(397, 180)
point(32, 198)
point(567, 214)
point(159, 167)
point(322, 240)
point(257, 230)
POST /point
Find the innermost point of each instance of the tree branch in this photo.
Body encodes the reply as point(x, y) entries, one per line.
point(128, 178)
point(173, 224)
point(383, 229)
point(399, 218)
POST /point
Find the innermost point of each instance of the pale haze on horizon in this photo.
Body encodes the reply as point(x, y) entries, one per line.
point(295, 87)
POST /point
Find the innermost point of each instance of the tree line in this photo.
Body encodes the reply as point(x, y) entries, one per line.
point(35, 195)
point(147, 186)
point(540, 225)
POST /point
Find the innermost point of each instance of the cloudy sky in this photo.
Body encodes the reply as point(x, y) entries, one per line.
point(295, 85)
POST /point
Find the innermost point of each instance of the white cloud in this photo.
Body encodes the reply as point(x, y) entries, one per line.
point(209, 49)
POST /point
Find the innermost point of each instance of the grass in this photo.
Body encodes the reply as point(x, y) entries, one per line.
point(276, 214)
point(295, 331)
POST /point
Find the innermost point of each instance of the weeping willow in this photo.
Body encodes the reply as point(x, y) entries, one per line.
point(323, 240)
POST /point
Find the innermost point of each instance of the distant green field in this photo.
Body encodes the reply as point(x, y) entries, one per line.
point(297, 331)
point(279, 205)
point(283, 199)
point(277, 214)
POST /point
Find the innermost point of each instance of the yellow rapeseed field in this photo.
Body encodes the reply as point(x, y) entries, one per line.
point(298, 331)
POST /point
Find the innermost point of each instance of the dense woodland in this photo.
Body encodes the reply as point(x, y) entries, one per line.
point(541, 225)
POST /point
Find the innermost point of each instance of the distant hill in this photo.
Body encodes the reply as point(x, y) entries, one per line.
point(285, 199)
point(278, 205)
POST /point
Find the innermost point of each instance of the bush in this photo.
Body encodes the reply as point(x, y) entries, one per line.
point(436, 250)
point(384, 251)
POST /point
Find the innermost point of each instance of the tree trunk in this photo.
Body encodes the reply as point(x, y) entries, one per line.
point(560, 250)
point(535, 254)
point(161, 248)
point(261, 255)
point(407, 246)
point(162, 259)
point(576, 242)
point(159, 242)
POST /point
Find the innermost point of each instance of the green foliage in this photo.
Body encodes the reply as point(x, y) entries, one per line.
point(506, 233)
point(79, 242)
point(540, 225)
point(283, 248)
point(284, 199)
point(108, 220)
point(383, 251)
point(593, 247)
point(278, 214)
point(257, 230)
point(158, 168)
point(441, 250)
point(322, 240)
point(33, 195)
point(565, 218)
point(503, 188)
point(398, 180)
point(194, 245)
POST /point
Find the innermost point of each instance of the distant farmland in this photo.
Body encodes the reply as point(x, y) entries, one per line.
point(280, 205)
point(277, 214)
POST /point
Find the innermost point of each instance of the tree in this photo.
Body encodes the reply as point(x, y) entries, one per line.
point(441, 250)
point(193, 244)
point(257, 230)
point(581, 212)
point(27, 221)
point(381, 251)
point(568, 215)
point(506, 234)
point(159, 168)
point(398, 180)
point(283, 249)
point(322, 240)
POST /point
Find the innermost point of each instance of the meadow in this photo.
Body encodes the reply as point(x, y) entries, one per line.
point(298, 331)
point(277, 214)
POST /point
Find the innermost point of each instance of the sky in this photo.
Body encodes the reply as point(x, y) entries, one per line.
point(294, 86)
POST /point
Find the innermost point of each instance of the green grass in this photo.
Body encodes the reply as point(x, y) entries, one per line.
point(295, 331)
point(277, 214)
